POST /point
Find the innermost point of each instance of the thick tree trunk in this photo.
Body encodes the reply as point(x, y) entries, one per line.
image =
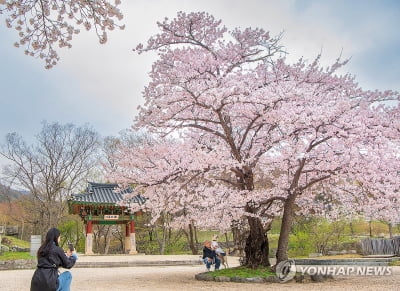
point(287, 218)
point(21, 235)
point(390, 230)
point(227, 243)
point(257, 246)
point(163, 241)
point(238, 240)
point(107, 242)
point(196, 239)
point(351, 228)
point(190, 237)
point(370, 228)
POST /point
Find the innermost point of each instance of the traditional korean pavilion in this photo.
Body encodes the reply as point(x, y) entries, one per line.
point(100, 204)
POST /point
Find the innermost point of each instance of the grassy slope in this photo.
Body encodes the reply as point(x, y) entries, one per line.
point(17, 242)
point(16, 255)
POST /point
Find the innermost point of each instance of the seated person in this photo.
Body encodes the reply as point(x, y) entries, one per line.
point(220, 252)
point(221, 255)
point(210, 256)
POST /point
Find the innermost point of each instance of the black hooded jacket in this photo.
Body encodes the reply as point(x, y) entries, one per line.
point(45, 277)
point(209, 253)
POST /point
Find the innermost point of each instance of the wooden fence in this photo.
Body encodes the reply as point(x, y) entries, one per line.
point(381, 246)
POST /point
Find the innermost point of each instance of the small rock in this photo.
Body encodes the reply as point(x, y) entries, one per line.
point(302, 278)
point(255, 280)
point(238, 279)
point(222, 279)
point(333, 253)
point(204, 277)
point(318, 278)
point(272, 279)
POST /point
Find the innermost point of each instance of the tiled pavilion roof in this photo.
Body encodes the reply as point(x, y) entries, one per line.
point(98, 193)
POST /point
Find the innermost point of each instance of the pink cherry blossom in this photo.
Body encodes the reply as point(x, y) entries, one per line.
point(43, 24)
point(254, 134)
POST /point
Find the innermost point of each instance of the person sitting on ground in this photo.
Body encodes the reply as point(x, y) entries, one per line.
point(218, 250)
point(50, 257)
point(209, 256)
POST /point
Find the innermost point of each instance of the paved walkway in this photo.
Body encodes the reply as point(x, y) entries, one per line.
point(177, 273)
point(98, 261)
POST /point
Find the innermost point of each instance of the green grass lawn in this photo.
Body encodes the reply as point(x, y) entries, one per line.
point(8, 256)
point(395, 263)
point(243, 272)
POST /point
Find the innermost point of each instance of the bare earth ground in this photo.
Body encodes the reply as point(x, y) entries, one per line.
point(182, 278)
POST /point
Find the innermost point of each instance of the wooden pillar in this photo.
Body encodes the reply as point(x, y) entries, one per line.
point(132, 238)
point(127, 238)
point(89, 238)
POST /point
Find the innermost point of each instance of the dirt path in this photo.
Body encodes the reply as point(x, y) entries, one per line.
point(182, 278)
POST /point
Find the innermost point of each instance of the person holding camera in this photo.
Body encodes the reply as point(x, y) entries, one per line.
point(50, 257)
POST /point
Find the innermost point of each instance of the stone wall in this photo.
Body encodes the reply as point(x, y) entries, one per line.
point(17, 264)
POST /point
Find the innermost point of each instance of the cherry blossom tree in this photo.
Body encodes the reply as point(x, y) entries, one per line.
point(200, 88)
point(43, 25)
point(258, 131)
point(332, 133)
point(384, 207)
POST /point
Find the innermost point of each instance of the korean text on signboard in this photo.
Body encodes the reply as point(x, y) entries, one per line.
point(111, 217)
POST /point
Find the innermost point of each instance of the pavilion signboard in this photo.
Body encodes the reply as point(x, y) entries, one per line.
point(111, 217)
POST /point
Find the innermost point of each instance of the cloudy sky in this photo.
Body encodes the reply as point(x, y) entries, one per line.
point(102, 85)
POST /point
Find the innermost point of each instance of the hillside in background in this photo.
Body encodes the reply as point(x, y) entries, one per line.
point(7, 194)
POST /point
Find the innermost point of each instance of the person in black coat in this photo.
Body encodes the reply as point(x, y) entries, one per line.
point(209, 256)
point(50, 257)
